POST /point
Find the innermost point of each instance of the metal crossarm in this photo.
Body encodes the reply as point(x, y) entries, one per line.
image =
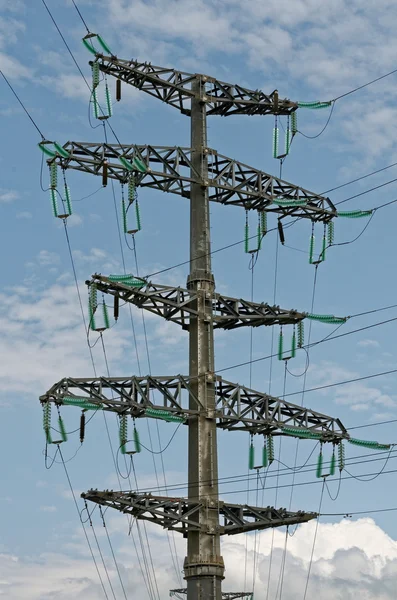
point(179, 305)
point(179, 514)
point(229, 181)
point(175, 88)
point(225, 595)
point(237, 407)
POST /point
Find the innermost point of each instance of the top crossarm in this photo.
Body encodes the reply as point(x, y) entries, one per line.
point(175, 88)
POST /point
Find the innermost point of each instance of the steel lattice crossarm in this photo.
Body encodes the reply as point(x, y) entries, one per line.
point(225, 595)
point(169, 169)
point(179, 514)
point(175, 88)
point(237, 407)
point(178, 304)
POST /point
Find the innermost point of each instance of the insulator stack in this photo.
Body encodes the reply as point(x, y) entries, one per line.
point(95, 104)
point(333, 463)
point(53, 175)
point(281, 232)
point(47, 421)
point(324, 247)
point(280, 345)
point(275, 141)
point(293, 344)
point(137, 441)
point(270, 449)
point(341, 456)
point(287, 137)
point(105, 315)
point(116, 307)
point(131, 190)
point(246, 234)
point(124, 215)
point(54, 202)
point(108, 100)
point(251, 455)
point(92, 304)
point(105, 173)
point(95, 74)
point(319, 470)
point(82, 427)
point(311, 248)
point(138, 215)
point(62, 429)
point(259, 236)
point(123, 433)
point(265, 460)
point(68, 200)
point(330, 232)
point(355, 214)
point(118, 90)
point(301, 334)
point(263, 223)
point(294, 123)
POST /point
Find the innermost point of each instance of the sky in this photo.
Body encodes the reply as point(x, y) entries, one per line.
point(308, 51)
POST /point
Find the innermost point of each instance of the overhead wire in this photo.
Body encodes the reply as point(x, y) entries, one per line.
point(22, 104)
point(314, 541)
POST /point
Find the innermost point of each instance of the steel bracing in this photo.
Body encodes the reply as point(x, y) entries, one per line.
point(179, 514)
point(225, 595)
point(177, 304)
point(236, 407)
point(176, 89)
point(170, 169)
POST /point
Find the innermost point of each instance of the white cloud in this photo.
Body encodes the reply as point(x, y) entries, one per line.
point(368, 344)
point(12, 68)
point(46, 258)
point(8, 195)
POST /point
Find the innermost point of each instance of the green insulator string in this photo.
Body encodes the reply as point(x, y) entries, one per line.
point(301, 432)
point(289, 203)
point(270, 449)
point(314, 105)
point(265, 459)
point(53, 175)
point(275, 138)
point(293, 344)
point(108, 100)
point(311, 246)
point(61, 150)
point(137, 441)
point(83, 403)
point(164, 415)
point(95, 103)
point(263, 222)
point(131, 190)
point(319, 470)
point(331, 233)
point(333, 463)
point(341, 456)
point(301, 334)
point(87, 41)
point(46, 150)
point(280, 344)
point(330, 319)
point(68, 199)
point(324, 244)
point(294, 123)
point(54, 202)
point(62, 429)
point(123, 433)
point(104, 46)
point(246, 233)
point(287, 136)
point(124, 211)
point(105, 315)
point(129, 280)
point(92, 304)
point(95, 74)
point(259, 233)
point(369, 444)
point(251, 455)
point(138, 215)
point(47, 421)
point(355, 214)
point(126, 164)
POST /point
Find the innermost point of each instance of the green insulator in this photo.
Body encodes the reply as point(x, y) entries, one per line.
point(48, 436)
point(131, 190)
point(61, 150)
point(124, 277)
point(62, 429)
point(123, 433)
point(137, 441)
point(287, 140)
point(270, 448)
point(83, 403)
point(138, 215)
point(104, 46)
point(319, 470)
point(126, 163)
point(355, 214)
point(95, 74)
point(47, 415)
point(314, 105)
point(129, 280)
point(330, 319)
point(264, 222)
point(301, 334)
point(294, 123)
point(246, 236)
point(47, 151)
point(105, 316)
point(341, 456)
point(259, 237)
point(68, 199)
point(311, 249)
point(280, 345)
point(369, 444)
point(93, 296)
point(323, 249)
point(89, 46)
point(293, 344)
point(124, 215)
point(139, 165)
point(54, 202)
point(275, 141)
point(108, 101)
point(265, 460)
point(95, 104)
point(330, 233)
point(165, 415)
point(289, 203)
point(53, 175)
point(251, 456)
point(333, 463)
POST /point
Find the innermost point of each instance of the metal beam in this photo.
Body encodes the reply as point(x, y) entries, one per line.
point(175, 88)
point(225, 595)
point(237, 407)
point(177, 304)
point(228, 181)
point(179, 514)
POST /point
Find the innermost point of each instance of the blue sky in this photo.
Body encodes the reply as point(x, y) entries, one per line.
point(307, 54)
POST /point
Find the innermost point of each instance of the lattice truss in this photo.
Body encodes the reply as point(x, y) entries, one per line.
point(169, 169)
point(225, 595)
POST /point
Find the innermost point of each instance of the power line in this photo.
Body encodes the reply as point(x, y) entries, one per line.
point(338, 187)
point(360, 87)
point(22, 104)
point(81, 16)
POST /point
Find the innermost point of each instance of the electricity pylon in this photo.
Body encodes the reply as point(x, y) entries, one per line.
point(202, 400)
